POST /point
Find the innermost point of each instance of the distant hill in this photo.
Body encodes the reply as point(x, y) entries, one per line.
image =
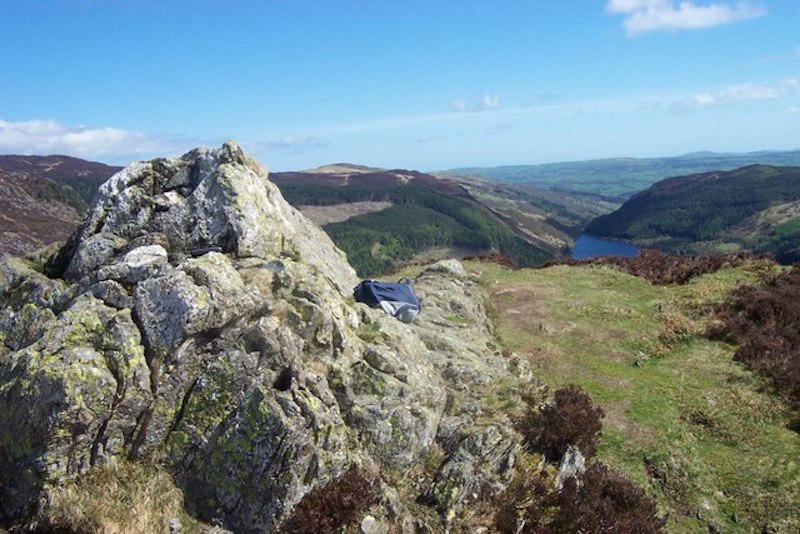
point(343, 168)
point(44, 198)
point(619, 178)
point(387, 218)
point(752, 208)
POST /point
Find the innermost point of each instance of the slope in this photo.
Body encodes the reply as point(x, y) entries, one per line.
point(715, 211)
point(42, 198)
point(200, 330)
point(700, 432)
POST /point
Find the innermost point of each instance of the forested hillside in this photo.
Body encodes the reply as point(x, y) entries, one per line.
point(754, 208)
point(425, 213)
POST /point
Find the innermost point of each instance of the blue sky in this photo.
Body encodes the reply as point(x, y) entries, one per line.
point(422, 84)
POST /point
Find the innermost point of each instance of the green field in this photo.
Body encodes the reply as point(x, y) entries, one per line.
point(692, 427)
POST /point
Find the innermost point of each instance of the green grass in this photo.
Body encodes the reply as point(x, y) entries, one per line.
point(682, 419)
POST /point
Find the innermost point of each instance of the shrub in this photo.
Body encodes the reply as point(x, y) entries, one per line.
point(337, 504)
point(604, 502)
point(525, 502)
point(572, 419)
point(765, 322)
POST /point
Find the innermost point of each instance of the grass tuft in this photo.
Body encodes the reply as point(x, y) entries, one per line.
point(121, 497)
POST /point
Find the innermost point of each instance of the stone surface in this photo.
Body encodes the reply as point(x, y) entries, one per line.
point(137, 265)
point(573, 464)
point(198, 319)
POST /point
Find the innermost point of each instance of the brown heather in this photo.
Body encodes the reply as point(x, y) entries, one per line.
point(765, 322)
point(328, 508)
point(663, 269)
point(572, 419)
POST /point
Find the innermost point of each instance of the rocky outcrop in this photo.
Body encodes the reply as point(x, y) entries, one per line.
point(197, 318)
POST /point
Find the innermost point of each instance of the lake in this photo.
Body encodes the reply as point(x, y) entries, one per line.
point(588, 246)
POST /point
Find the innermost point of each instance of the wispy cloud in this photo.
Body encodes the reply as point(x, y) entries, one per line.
point(793, 109)
point(502, 127)
point(106, 143)
point(643, 16)
point(564, 106)
point(792, 55)
point(296, 145)
point(487, 102)
point(746, 92)
point(428, 139)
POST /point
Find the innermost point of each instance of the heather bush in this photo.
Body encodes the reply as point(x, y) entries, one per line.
point(605, 502)
point(337, 504)
point(765, 322)
point(601, 501)
point(528, 502)
point(571, 419)
point(663, 269)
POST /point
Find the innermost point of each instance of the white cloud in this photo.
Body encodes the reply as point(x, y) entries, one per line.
point(745, 92)
point(107, 143)
point(487, 102)
point(793, 109)
point(642, 16)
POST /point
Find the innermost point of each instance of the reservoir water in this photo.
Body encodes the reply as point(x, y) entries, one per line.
point(588, 246)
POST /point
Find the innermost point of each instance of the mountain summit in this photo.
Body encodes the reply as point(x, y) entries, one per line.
point(199, 323)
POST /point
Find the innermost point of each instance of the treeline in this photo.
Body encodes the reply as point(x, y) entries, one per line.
point(700, 207)
point(419, 220)
point(321, 195)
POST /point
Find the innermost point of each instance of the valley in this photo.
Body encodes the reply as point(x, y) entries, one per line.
point(753, 208)
point(694, 430)
point(385, 219)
